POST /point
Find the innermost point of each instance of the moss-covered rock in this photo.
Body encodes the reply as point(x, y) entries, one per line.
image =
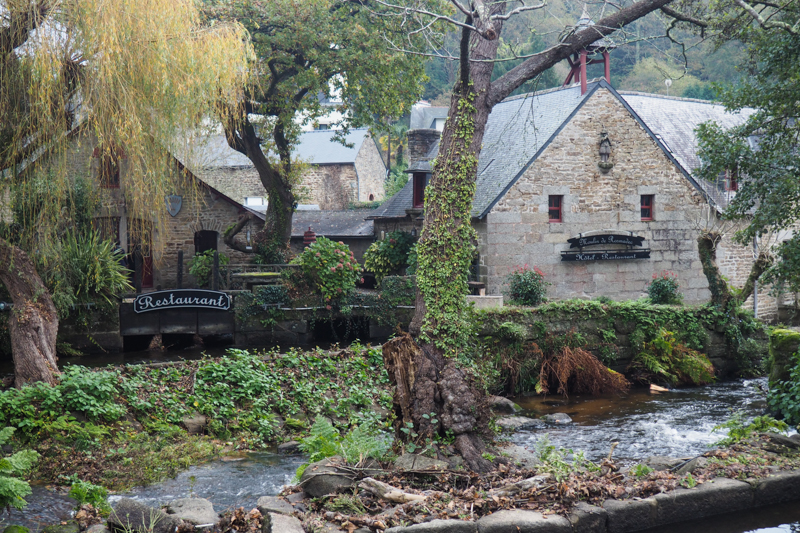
point(69, 527)
point(16, 529)
point(782, 344)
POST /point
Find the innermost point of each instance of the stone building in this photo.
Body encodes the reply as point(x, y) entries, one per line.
point(197, 215)
point(336, 176)
point(589, 162)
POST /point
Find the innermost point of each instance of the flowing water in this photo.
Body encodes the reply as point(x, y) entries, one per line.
point(676, 423)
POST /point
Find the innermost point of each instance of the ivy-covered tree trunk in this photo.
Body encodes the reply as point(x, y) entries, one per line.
point(33, 322)
point(431, 386)
point(721, 293)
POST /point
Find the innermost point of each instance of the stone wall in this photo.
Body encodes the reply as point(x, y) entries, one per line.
point(371, 172)
point(517, 231)
point(235, 182)
point(420, 142)
point(332, 187)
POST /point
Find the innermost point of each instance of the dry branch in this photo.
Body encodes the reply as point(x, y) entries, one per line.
point(387, 492)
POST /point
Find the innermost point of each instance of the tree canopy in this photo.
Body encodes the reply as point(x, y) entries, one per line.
point(763, 151)
point(312, 56)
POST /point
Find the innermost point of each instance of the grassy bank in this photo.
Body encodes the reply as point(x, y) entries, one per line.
point(126, 426)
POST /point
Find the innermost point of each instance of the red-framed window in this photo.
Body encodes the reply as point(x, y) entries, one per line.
point(108, 167)
point(647, 206)
point(420, 182)
point(554, 203)
point(731, 180)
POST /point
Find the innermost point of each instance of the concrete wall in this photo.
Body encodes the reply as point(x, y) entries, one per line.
point(517, 232)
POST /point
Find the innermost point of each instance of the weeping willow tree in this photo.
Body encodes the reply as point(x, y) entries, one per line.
point(131, 76)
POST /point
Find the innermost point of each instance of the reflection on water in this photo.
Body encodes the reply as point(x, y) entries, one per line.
point(783, 518)
point(44, 508)
point(676, 423)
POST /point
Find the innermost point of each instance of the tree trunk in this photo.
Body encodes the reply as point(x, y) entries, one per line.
point(434, 397)
point(721, 294)
point(33, 321)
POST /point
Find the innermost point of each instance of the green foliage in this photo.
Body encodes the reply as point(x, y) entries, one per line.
point(641, 470)
point(412, 261)
point(331, 267)
point(554, 461)
point(388, 255)
point(398, 290)
point(527, 287)
point(86, 492)
point(664, 289)
point(769, 188)
point(738, 430)
point(82, 268)
point(12, 489)
point(92, 393)
point(397, 179)
point(362, 442)
point(784, 396)
point(667, 359)
point(272, 252)
point(201, 266)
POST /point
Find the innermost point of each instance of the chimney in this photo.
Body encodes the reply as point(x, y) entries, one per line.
point(420, 142)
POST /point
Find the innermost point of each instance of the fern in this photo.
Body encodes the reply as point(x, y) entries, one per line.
point(13, 490)
point(322, 442)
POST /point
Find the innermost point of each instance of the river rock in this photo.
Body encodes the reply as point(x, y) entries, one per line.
point(523, 522)
point(659, 462)
point(16, 529)
point(296, 497)
point(278, 523)
point(272, 504)
point(412, 461)
point(557, 418)
point(691, 466)
point(69, 527)
point(519, 423)
point(521, 456)
point(324, 477)
point(97, 528)
point(498, 404)
point(288, 448)
point(129, 515)
point(196, 511)
point(195, 423)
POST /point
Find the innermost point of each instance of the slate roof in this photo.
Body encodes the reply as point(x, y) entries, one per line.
point(315, 147)
point(521, 127)
point(423, 117)
point(673, 121)
point(350, 223)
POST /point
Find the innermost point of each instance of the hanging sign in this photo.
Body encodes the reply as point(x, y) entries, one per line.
point(605, 255)
point(611, 238)
point(178, 298)
point(606, 239)
point(174, 203)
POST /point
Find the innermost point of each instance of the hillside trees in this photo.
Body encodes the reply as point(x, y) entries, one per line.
point(309, 51)
point(427, 374)
point(131, 76)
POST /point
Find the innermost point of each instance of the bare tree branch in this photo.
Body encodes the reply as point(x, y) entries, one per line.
point(519, 10)
point(764, 23)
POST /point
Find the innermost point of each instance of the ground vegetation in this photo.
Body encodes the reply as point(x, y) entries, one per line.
point(87, 69)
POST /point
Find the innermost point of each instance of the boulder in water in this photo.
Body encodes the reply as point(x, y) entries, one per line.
point(557, 418)
point(129, 515)
point(519, 423)
point(193, 510)
point(325, 477)
point(498, 404)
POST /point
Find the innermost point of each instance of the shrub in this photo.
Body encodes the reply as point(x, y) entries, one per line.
point(86, 492)
point(411, 270)
point(202, 265)
point(669, 360)
point(664, 289)
point(331, 267)
point(526, 286)
point(738, 430)
point(389, 255)
point(784, 396)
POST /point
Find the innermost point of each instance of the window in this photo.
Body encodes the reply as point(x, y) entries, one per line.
point(420, 181)
point(647, 207)
point(108, 166)
point(205, 240)
point(253, 200)
point(322, 127)
point(731, 180)
point(554, 207)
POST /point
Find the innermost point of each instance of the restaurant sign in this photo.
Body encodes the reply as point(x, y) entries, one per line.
point(180, 298)
point(629, 241)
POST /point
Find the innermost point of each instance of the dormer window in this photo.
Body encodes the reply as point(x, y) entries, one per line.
point(420, 182)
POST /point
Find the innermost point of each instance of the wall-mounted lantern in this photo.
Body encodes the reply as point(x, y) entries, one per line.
point(605, 153)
